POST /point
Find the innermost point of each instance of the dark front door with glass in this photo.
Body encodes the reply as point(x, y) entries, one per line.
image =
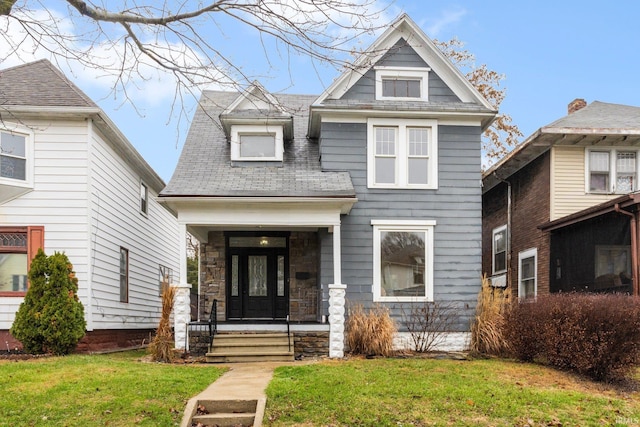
point(257, 278)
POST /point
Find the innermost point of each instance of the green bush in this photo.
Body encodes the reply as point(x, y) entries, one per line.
point(51, 318)
point(594, 335)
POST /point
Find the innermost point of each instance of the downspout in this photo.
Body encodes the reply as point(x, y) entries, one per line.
point(634, 247)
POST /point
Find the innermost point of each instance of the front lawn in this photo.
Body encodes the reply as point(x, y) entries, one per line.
point(91, 390)
point(426, 392)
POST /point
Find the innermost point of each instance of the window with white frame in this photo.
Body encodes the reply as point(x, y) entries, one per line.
point(144, 198)
point(402, 154)
point(402, 83)
point(612, 171)
point(257, 143)
point(13, 155)
point(403, 260)
point(499, 250)
point(528, 273)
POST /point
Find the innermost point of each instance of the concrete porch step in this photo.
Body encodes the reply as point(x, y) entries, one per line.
point(255, 347)
point(225, 413)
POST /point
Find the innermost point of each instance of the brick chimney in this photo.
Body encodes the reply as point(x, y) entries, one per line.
point(576, 104)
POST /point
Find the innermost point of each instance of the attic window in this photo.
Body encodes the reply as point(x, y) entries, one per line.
point(402, 83)
point(256, 143)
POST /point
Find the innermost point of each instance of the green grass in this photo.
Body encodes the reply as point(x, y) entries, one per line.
point(425, 392)
point(91, 390)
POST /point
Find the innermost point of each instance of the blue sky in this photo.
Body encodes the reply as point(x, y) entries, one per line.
point(551, 52)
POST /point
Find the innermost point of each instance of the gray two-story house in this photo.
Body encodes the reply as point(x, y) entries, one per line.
point(367, 194)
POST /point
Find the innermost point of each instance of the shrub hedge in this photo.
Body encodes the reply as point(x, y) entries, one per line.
point(597, 335)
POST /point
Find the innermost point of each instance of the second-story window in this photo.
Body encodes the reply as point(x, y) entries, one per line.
point(257, 143)
point(13, 156)
point(402, 154)
point(144, 198)
point(612, 171)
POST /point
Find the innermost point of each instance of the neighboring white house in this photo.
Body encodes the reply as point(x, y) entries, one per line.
point(71, 182)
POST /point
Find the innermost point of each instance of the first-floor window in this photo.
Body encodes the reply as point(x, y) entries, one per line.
point(18, 246)
point(124, 275)
point(499, 249)
point(403, 260)
point(527, 273)
point(166, 277)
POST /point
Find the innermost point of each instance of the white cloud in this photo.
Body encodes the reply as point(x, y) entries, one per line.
point(448, 18)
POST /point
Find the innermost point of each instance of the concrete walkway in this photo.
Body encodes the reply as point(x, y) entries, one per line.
point(243, 381)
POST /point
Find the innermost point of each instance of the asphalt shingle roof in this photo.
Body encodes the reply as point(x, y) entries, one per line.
point(40, 84)
point(600, 115)
point(205, 167)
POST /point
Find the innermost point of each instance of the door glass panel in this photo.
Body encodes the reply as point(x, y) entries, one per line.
point(280, 276)
point(258, 276)
point(257, 242)
point(234, 276)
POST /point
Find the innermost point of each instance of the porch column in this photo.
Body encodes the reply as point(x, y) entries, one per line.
point(337, 293)
point(182, 301)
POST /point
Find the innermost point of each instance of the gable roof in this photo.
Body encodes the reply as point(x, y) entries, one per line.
point(405, 28)
point(39, 89)
point(205, 168)
point(597, 123)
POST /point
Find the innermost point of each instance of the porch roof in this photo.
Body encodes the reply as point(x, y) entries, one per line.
point(205, 168)
point(628, 202)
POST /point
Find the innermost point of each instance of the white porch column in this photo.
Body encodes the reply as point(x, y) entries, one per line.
point(337, 293)
point(182, 301)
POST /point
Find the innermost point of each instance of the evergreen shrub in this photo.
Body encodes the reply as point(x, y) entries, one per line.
point(51, 318)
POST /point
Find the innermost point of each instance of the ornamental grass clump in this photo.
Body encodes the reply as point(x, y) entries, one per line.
point(51, 317)
point(371, 332)
point(487, 328)
point(161, 346)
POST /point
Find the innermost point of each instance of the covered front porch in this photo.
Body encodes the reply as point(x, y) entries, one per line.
point(267, 266)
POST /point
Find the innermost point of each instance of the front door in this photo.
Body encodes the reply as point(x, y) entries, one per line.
point(257, 278)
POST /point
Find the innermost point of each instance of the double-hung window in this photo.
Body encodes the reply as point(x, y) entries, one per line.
point(403, 260)
point(402, 154)
point(13, 156)
point(165, 277)
point(144, 198)
point(612, 171)
point(499, 250)
point(528, 273)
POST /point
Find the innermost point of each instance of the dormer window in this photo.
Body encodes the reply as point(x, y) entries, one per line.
point(402, 83)
point(257, 143)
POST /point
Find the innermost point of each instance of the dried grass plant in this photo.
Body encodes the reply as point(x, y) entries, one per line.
point(370, 332)
point(487, 329)
point(161, 346)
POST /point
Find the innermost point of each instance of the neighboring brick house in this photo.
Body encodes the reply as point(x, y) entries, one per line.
point(369, 193)
point(560, 211)
point(71, 182)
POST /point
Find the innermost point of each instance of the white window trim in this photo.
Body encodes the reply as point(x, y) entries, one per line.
point(612, 169)
point(142, 212)
point(533, 252)
point(402, 152)
point(493, 249)
point(238, 130)
point(29, 155)
point(403, 225)
point(406, 73)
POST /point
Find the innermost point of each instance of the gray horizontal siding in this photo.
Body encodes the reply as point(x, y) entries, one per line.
point(401, 55)
point(455, 206)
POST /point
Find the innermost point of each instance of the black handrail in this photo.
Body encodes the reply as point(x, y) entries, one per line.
point(211, 324)
point(288, 333)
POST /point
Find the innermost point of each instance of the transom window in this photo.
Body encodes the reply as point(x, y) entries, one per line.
point(499, 250)
point(13, 156)
point(612, 171)
point(257, 143)
point(403, 260)
point(402, 83)
point(402, 154)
